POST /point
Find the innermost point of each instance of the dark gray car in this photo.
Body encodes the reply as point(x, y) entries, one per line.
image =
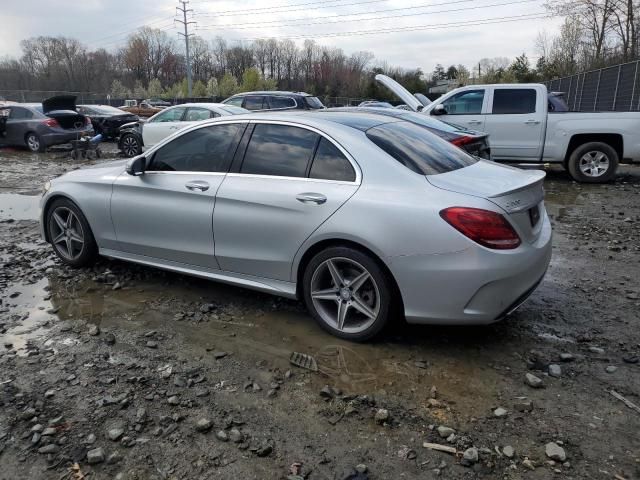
point(38, 126)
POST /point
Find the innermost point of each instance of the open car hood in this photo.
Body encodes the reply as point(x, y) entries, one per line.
point(60, 102)
point(401, 92)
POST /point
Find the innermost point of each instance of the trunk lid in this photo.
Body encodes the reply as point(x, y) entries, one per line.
point(518, 192)
point(401, 92)
point(60, 102)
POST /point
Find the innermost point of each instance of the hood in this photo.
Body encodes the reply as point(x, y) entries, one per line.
point(61, 102)
point(114, 163)
point(401, 92)
point(510, 188)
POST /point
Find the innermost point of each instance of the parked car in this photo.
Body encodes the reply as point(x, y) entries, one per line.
point(527, 125)
point(40, 125)
point(138, 135)
point(475, 143)
point(359, 215)
point(274, 100)
point(142, 110)
point(157, 102)
point(375, 103)
point(107, 119)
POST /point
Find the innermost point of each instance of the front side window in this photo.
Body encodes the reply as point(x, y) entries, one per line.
point(329, 163)
point(514, 100)
point(196, 114)
point(207, 149)
point(313, 103)
point(282, 102)
point(279, 150)
point(417, 149)
point(235, 101)
point(465, 103)
point(169, 115)
point(253, 103)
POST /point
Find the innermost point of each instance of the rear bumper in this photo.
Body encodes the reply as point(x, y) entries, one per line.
point(473, 286)
point(57, 138)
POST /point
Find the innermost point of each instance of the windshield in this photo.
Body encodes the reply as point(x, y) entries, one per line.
point(417, 149)
point(233, 110)
point(313, 102)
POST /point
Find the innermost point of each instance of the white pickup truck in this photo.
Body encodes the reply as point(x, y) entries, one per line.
point(526, 125)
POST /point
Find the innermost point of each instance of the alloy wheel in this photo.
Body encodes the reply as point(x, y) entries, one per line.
point(130, 146)
point(594, 163)
point(345, 295)
point(66, 232)
point(33, 143)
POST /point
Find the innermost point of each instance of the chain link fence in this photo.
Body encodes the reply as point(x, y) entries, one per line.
point(613, 88)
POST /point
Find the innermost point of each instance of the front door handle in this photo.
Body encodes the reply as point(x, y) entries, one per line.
point(310, 197)
point(198, 185)
point(532, 122)
point(174, 127)
point(474, 122)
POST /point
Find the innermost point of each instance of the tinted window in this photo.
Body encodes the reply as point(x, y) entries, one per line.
point(279, 150)
point(417, 149)
point(169, 115)
point(195, 114)
point(253, 103)
point(282, 102)
point(234, 110)
point(465, 103)
point(203, 150)
point(557, 103)
point(330, 164)
point(20, 114)
point(236, 101)
point(514, 100)
point(313, 102)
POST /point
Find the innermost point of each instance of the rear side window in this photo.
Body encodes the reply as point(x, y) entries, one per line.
point(417, 149)
point(330, 164)
point(20, 114)
point(282, 102)
point(207, 149)
point(514, 100)
point(253, 103)
point(279, 150)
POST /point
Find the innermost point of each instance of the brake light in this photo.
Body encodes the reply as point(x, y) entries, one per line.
point(464, 140)
point(51, 122)
point(489, 229)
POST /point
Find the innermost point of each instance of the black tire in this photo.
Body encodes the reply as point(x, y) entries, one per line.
point(130, 145)
point(383, 293)
point(579, 159)
point(34, 142)
point(88, 253)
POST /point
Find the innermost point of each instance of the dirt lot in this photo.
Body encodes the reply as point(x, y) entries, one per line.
point(133, 373)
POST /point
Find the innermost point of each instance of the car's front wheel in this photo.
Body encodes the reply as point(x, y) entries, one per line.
point(70, 234)
point(130, 145)
point(347, 293)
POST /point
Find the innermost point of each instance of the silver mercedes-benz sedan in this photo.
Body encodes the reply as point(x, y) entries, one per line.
point(366, 218)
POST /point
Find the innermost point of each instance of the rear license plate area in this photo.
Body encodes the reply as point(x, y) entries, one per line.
point(534, 215)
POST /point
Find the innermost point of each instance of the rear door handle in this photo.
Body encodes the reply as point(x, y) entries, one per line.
point(198, 185)
point(310, 197)
point(532, 122)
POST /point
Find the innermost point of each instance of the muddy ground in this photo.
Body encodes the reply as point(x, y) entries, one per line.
point(128, 372)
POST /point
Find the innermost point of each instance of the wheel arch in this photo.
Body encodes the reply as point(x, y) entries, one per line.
point(47, 206)
point(339, 242)
point(614, 140)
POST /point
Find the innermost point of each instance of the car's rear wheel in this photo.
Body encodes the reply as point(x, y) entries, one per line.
point(347, 293)
point(593, 162)
point(130, 145)
point(34, 142)
point(70, 234)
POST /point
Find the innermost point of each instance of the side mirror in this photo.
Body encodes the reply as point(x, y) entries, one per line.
point(439, 110)
point(136, 166)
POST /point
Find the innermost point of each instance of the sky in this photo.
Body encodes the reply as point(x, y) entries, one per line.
point(405, 33)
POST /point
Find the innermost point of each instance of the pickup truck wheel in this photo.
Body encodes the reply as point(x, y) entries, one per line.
point(593, 162)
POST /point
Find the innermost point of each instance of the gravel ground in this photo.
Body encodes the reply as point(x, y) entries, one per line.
point(127, 372)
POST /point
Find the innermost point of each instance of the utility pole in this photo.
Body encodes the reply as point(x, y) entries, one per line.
point(186, 36)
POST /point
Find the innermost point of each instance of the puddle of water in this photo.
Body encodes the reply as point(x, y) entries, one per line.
point(19, 207)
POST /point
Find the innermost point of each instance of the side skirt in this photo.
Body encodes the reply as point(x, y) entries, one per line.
point(266, 285)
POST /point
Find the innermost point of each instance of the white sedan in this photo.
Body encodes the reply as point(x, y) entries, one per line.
point(136, 136)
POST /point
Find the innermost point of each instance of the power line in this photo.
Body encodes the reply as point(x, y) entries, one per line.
point(117, 41)
point(321, 20)
point(257, 11)
point(119, 34)
point(186, 36)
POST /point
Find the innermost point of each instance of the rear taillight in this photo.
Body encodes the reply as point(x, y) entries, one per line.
point(489, 229)
point(464, 140)
point(51, 122)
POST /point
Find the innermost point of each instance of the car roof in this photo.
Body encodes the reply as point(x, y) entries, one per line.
point(273, 92)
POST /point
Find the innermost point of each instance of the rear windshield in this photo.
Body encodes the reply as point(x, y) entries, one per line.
point(417, 149)
point(105, 110)
point(313, 102)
